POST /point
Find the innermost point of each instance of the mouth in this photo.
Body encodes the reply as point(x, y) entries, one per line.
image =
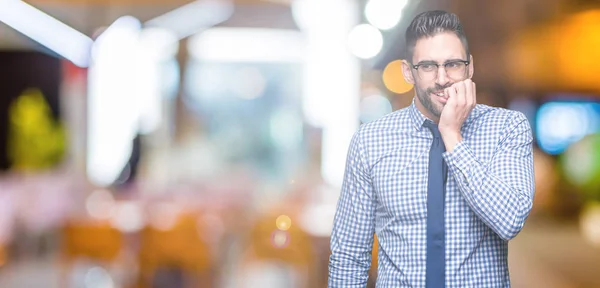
point(440, 96)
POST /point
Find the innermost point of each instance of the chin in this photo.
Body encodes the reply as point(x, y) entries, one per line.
point(439, 108)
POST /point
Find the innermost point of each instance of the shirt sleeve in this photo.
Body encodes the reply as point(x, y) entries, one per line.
point(501, 191)
point(354, 223)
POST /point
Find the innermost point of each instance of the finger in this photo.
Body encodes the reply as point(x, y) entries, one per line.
point(451, 92)
point(469, 96)
point(460, 93)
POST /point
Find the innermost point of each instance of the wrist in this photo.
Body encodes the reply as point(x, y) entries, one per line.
point(451, 138)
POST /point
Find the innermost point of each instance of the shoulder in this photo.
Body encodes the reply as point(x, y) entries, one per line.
point(394, 121)
point(377, 137)
point(500, 124)
point(498, 117)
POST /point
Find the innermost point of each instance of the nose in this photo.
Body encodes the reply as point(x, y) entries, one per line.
point(442, 77)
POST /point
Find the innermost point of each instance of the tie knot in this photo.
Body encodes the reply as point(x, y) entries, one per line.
point(433, 127)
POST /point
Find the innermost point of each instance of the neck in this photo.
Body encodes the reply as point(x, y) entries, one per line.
point(425, 111)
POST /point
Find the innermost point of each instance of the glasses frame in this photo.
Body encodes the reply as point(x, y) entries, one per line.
point(437, 70)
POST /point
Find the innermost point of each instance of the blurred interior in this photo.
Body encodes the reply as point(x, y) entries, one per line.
point(178, 143)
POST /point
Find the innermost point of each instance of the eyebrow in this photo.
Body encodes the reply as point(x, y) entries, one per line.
point(446, 62)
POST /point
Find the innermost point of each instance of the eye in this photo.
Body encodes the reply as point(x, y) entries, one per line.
point(452, 65)
point(427, 67)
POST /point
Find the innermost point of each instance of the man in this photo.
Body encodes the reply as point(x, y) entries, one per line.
point(444, 183)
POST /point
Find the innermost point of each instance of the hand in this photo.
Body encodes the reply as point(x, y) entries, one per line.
point(461, 101)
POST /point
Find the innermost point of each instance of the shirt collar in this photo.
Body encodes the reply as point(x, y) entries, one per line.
point(418, 118)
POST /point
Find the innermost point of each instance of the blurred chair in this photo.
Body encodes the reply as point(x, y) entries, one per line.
point(89, 240)
point(268, 245)
point(176, 248)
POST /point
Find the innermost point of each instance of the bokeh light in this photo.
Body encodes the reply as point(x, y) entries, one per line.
point(560, 124)
point(100, 204)
point(373, 107)
point(578, 61)
point(128, 217)
point(283, 222)
point(384, 14)
point(280, 239)
point(393, 79)
point(581, 164)
point(164, 216)
point(365, 41)
point(590, 223)
point(98, 277)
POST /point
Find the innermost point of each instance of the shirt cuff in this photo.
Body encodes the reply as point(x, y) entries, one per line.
point(461, 161)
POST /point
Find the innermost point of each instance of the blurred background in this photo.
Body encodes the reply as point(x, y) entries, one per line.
point(178, 143)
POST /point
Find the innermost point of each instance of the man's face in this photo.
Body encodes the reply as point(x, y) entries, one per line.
point(441, 48)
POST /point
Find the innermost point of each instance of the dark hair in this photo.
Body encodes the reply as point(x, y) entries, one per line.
point(430, 23)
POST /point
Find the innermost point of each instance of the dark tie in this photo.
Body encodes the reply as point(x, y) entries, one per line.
point(436, 184)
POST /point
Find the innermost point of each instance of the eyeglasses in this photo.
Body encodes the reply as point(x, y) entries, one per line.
point(455, 70)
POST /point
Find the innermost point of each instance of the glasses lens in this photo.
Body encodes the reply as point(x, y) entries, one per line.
point(456, 70)
point(427, 74)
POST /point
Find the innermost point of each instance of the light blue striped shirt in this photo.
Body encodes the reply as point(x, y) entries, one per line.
point(489, 195)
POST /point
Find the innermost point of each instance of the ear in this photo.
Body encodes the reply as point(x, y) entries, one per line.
point(471, 67)
point(407, 72)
